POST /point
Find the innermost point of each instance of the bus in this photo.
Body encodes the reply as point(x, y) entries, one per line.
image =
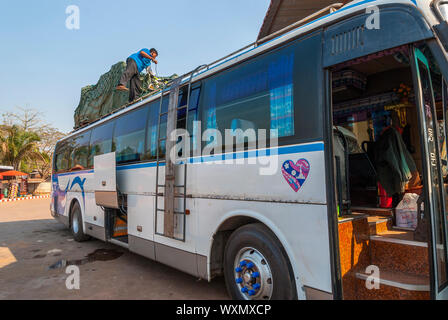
point(311, 164)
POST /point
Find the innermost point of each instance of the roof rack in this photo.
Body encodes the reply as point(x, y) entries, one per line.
point(331, 8)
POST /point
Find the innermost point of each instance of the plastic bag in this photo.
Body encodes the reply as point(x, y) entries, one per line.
point(406, 211)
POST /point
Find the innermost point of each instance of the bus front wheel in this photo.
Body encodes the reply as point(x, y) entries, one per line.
point(76, 224)
point(256, 266)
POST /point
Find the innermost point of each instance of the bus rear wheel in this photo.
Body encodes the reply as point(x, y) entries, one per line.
point(76, 224)
point(256, 266)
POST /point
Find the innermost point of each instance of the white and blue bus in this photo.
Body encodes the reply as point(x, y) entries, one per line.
point(353, 106)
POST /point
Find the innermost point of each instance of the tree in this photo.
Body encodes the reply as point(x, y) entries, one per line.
point(18, 145)
point(43, 136)
point(26, 118)
point(48, 138)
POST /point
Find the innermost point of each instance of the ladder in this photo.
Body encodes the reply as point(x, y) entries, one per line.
point(170, 195)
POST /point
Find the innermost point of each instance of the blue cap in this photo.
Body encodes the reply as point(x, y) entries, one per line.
point(250, 265)
point(255, 274)
point(238, 269)
point(244, 290)
point(252, 292)
point(256, 286)
point(239, 280)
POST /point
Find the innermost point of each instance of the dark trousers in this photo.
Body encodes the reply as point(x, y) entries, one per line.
point(131, 74)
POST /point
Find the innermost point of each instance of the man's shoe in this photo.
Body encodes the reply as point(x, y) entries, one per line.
point(121, 88)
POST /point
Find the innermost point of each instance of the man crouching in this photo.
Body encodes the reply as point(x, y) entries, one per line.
point(135, 64)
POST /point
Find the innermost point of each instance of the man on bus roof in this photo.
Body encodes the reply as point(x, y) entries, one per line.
point(135, 64)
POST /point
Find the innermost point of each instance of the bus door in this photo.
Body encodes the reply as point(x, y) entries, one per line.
point(435, 191)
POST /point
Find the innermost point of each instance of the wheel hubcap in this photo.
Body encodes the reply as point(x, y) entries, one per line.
point(253, 275)
point(75, 223)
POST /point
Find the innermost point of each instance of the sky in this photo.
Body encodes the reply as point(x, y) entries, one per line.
point(44, 65)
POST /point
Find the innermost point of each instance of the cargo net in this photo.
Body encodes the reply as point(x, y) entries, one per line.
point(102, 99)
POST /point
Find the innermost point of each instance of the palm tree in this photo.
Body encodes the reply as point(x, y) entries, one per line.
point(17, 145)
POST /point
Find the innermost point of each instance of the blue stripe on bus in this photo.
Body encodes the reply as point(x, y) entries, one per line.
point(237, 155)
point(313, 147)
point(258, 153)
point(140, 166)
point(73, 173)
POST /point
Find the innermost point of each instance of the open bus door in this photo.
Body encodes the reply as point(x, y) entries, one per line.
point(435, 206)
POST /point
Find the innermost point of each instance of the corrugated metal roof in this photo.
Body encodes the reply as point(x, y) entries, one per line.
point(282, 13)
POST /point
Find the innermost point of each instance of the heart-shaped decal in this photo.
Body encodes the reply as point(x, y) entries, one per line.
point(296, 174)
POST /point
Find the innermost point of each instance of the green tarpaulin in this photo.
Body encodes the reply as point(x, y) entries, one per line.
point(101, 99)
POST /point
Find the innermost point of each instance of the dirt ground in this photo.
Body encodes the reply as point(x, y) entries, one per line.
point(34, 248)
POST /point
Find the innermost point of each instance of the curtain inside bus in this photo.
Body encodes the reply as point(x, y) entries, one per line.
point(257, 95)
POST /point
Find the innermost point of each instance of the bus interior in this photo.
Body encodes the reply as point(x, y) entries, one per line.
point(379, 174)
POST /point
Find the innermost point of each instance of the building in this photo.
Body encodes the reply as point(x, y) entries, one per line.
point(5, 168)
point(282, 13)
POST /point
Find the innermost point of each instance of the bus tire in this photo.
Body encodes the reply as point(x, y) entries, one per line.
point(256, 266)
point(76, 224)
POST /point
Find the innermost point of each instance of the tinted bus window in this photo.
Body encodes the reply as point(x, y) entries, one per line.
point(80, 153)
point(129, 136)
point(192, 111)
point(62, 156)
point(151, 138)
point(101, 140)
point(255, 95)
point(163, 120)
point(278, 90)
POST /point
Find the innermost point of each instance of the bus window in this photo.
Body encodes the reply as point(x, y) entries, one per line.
point(151, 138)
point(193, 115)
point(256, 95)
point(182, 101)
point(101, 141)
point(62, 157)
point(80, 153)
point(58, 161)
point(129, 136)
point(163, 120)
point(192, 112)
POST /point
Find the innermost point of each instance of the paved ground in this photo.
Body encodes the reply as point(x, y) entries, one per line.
point(31, 242)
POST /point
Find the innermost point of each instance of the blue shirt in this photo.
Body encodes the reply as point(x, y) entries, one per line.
point(142, 62)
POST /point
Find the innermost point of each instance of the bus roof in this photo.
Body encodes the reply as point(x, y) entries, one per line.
point(256, 48)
